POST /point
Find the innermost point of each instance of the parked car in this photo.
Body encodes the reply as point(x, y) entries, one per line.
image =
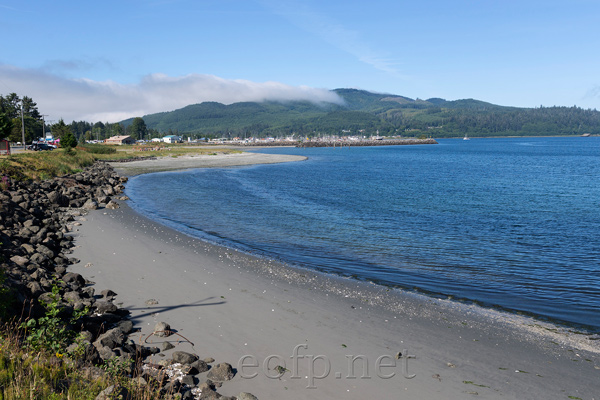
point(39, 147)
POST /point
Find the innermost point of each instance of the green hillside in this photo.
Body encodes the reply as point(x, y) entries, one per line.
point(366, 113)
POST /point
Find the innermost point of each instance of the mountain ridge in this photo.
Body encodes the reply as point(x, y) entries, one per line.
point(368, 113)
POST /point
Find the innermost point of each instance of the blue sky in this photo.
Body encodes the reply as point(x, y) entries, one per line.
point(111, 60)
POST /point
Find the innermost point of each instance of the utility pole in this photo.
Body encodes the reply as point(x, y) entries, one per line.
point(44, 126)
point(23, 125)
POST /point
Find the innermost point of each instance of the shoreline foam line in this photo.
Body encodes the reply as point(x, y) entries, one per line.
point(332, 337)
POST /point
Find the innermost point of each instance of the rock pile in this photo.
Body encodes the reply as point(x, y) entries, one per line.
point(35, 221)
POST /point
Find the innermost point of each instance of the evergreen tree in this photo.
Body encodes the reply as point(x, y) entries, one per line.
point(138, 129)
point(63, 131)
point(6, 126)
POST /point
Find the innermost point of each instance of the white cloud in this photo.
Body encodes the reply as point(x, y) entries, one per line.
point(109, 101)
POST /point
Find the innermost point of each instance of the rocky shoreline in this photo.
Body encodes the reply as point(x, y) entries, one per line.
point(35, 223)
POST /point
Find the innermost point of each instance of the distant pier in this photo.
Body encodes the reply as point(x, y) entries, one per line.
point(331, 142)
point(371, 142)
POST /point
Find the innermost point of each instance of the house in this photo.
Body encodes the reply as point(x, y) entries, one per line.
point(172, 139)
point(157, 140)
point(120, 140)
point(4, 147)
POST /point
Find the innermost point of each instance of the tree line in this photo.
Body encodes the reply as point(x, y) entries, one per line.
point(17, 112)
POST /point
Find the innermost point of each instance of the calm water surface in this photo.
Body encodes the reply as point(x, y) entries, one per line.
point(513, 223)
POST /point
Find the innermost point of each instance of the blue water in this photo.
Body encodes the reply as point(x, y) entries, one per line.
point(511, 223)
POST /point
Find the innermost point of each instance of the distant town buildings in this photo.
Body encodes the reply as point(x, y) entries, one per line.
point(120, 140)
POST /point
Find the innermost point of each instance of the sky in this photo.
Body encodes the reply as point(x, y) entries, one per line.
point(111, 60)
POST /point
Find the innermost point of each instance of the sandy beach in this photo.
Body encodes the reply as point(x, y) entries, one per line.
point(200, 161)
point(335, 338)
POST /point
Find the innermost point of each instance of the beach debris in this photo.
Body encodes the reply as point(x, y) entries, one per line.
point(151, 302)
point(398, 355)
point(280, 370)
point(343, 345)
point(437, 376)
point(450, 365)
point(474, 384)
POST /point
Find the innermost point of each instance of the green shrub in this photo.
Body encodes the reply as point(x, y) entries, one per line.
point(50, 332)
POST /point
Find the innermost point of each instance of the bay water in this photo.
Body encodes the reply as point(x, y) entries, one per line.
point(511, 223)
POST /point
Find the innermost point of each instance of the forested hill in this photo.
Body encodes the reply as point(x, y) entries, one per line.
point(366, 113)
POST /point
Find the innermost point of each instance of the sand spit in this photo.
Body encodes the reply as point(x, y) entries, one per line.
point(200, 161)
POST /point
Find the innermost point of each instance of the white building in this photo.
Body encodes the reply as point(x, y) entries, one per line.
point(172, 139)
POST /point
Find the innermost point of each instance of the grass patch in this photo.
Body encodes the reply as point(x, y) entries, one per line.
point(43, 165)
point(97, 148)
point(37, 372)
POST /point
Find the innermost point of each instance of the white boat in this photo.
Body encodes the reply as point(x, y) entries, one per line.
point(466, 137)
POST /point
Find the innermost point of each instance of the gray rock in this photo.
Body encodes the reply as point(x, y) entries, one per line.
point(189, 380)
point(89, 354)
point(171, 387)
point(19, 260)
point(184, 358)
point(45, 251)
point(72, 277)
point(246, 396)
point(88, 291)
point(103, 199)
point(106, 353)
point(111, 339)
point(125, 326)
point(35, 288)
point(162, 329)
point(167, 346)
point(108, 293)
point(57, 198)
point(199, 367)
point(208, 392)
point(38, 258)
point(90, 205)
point(72, 297)
point(112, 205)
point(221, 372)
point(113, 392)
point(103, 307)
point(28, 248)
point(46, 298)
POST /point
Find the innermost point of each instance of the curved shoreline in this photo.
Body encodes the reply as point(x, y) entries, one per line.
point(232, 304)
point(236, 305)
point(163, 164)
